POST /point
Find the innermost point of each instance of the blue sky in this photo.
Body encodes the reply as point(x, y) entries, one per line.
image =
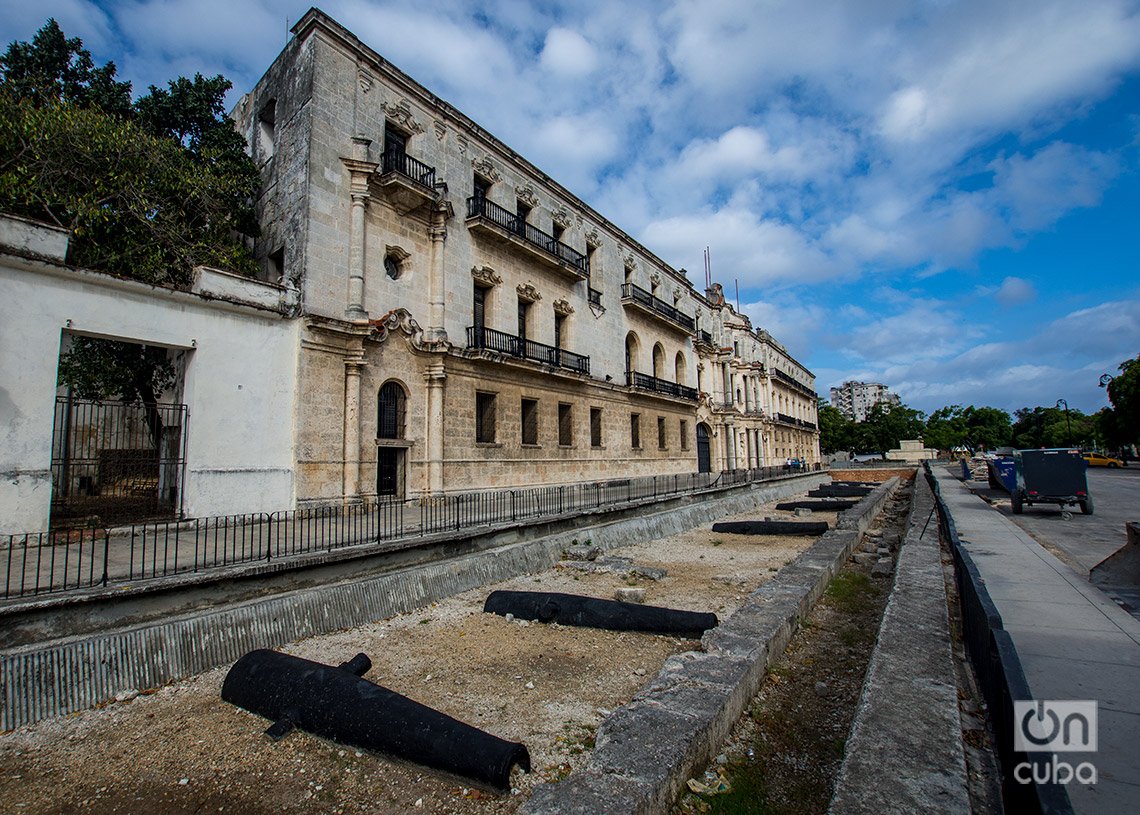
point(942, 196)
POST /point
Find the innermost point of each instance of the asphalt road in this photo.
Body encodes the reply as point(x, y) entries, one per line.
point(1083, 541)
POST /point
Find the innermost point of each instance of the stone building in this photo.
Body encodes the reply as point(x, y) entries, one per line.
point(855, 399)
point(467, 322)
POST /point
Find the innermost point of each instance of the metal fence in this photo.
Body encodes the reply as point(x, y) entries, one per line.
point(77, 559)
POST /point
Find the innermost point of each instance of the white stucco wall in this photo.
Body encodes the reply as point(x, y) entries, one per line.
point(240, 384)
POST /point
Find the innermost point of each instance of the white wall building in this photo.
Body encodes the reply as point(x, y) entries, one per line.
point(855, 399)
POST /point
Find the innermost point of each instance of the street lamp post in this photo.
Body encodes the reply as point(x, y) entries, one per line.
point(1068, 424)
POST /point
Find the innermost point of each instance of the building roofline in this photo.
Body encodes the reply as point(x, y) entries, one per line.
point(317, 20)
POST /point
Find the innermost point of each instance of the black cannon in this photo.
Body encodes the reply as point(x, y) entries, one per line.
point(771, 527)
point(592, 612)
point(822, 505)
point(336, 703)
point(839, 491)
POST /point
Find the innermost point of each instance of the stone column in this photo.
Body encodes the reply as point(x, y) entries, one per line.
point(434, 376)
point(360, 170)
point(352, 368)
point(437, 285)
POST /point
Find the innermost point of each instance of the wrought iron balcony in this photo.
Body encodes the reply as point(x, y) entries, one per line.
point(408, 182)
point(704, 337)
point(488, 339)
point(639, 297)
point(502, 223)
point(795, 384)
point(794, 422)
point(646, 382)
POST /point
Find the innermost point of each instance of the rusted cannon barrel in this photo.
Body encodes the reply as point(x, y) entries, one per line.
point(771, 527)
point(335, 703)
point(592, 612)
point(818, 505)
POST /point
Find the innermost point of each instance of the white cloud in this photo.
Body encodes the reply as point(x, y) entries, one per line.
point(1015, 291)
point(567, 53)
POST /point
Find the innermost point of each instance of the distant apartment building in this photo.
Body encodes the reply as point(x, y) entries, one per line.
point(855, 399)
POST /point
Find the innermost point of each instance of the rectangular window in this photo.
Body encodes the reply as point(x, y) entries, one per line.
point(635, 431)
point(524, 315)
point(479, 308)
point(595, 427)
point(482, 187)
point(484, 417)
point(565, 424)
point(660, 432)
point(559, 327)
point(529, 421)
point(684, 435)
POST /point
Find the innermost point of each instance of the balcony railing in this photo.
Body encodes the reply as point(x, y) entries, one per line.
point(397, 161)
point(480, 207)
point(635, 294)
point(491, 340)
point(800, 386)
point(792, 420)
point(651, 383)
point(705, 337)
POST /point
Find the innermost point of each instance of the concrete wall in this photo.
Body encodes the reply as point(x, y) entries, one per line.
point(240, 379)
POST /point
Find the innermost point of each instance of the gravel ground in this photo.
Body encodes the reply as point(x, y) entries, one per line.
point(180, 749)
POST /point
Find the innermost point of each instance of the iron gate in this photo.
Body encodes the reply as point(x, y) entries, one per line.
point(116, 463)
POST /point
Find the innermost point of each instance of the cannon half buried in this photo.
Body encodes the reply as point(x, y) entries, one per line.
point(592, 612)
point(818, 506)
point(336, 703)
point(771, 527)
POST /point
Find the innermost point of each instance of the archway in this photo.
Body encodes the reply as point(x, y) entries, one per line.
point(391, 411)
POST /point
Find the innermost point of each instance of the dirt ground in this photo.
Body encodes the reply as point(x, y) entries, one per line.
point(180, 749)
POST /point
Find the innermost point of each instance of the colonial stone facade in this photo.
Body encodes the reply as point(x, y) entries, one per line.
point(469, 323)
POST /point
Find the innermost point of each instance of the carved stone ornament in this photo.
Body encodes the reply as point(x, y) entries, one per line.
point(677, 294)
point(401, 115)
point(365, 80)
point(486, 169)
point(440, 130)
point(398, 252)
point(655, 279)
point(399, 319)
point(527, 195)
point(563, 307)
point(485, 276)
point(697, 312)
point(630, 263)
point(462, 145)
point(593, 238)
point(561, 216)
point(527, 291)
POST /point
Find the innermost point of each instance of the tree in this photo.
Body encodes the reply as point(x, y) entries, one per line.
point(834, 429)
point(52, 69)
point(1124, 394)
point(147, 192)
point(887, 425)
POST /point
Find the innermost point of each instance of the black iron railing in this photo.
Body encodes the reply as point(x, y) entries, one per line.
point(796, 384)
point(651, 383)
point(635, 294)
point(705, 337)
point(479, 206)
point(80, 559)
point(491, 340)
point(397, 161)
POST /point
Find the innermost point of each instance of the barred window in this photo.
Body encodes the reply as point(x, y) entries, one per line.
point(565, 424)
point(595, 427)
point(635, 430)
point(484, 417)
point(530, 421)
point(660, 432)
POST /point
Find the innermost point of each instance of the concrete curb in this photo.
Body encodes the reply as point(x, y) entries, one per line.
point(62, 676)
point(904, 753)
point(673, 727)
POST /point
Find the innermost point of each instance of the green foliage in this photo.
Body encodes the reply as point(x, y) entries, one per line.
point(146, 196)
point(834, 429)
point(975, 428)
point(1124, 394)
point(109, 369)
point(887, 425)
point(52, 69)
point(1050, 427)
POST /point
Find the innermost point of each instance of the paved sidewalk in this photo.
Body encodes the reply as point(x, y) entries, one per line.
point(1074, 643)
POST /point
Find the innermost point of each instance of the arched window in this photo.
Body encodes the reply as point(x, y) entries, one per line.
point(679, 368)
point(659, 361)
point(390, 410)
point(632, 352)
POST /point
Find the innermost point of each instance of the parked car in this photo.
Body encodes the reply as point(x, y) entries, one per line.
point(1101, 460)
